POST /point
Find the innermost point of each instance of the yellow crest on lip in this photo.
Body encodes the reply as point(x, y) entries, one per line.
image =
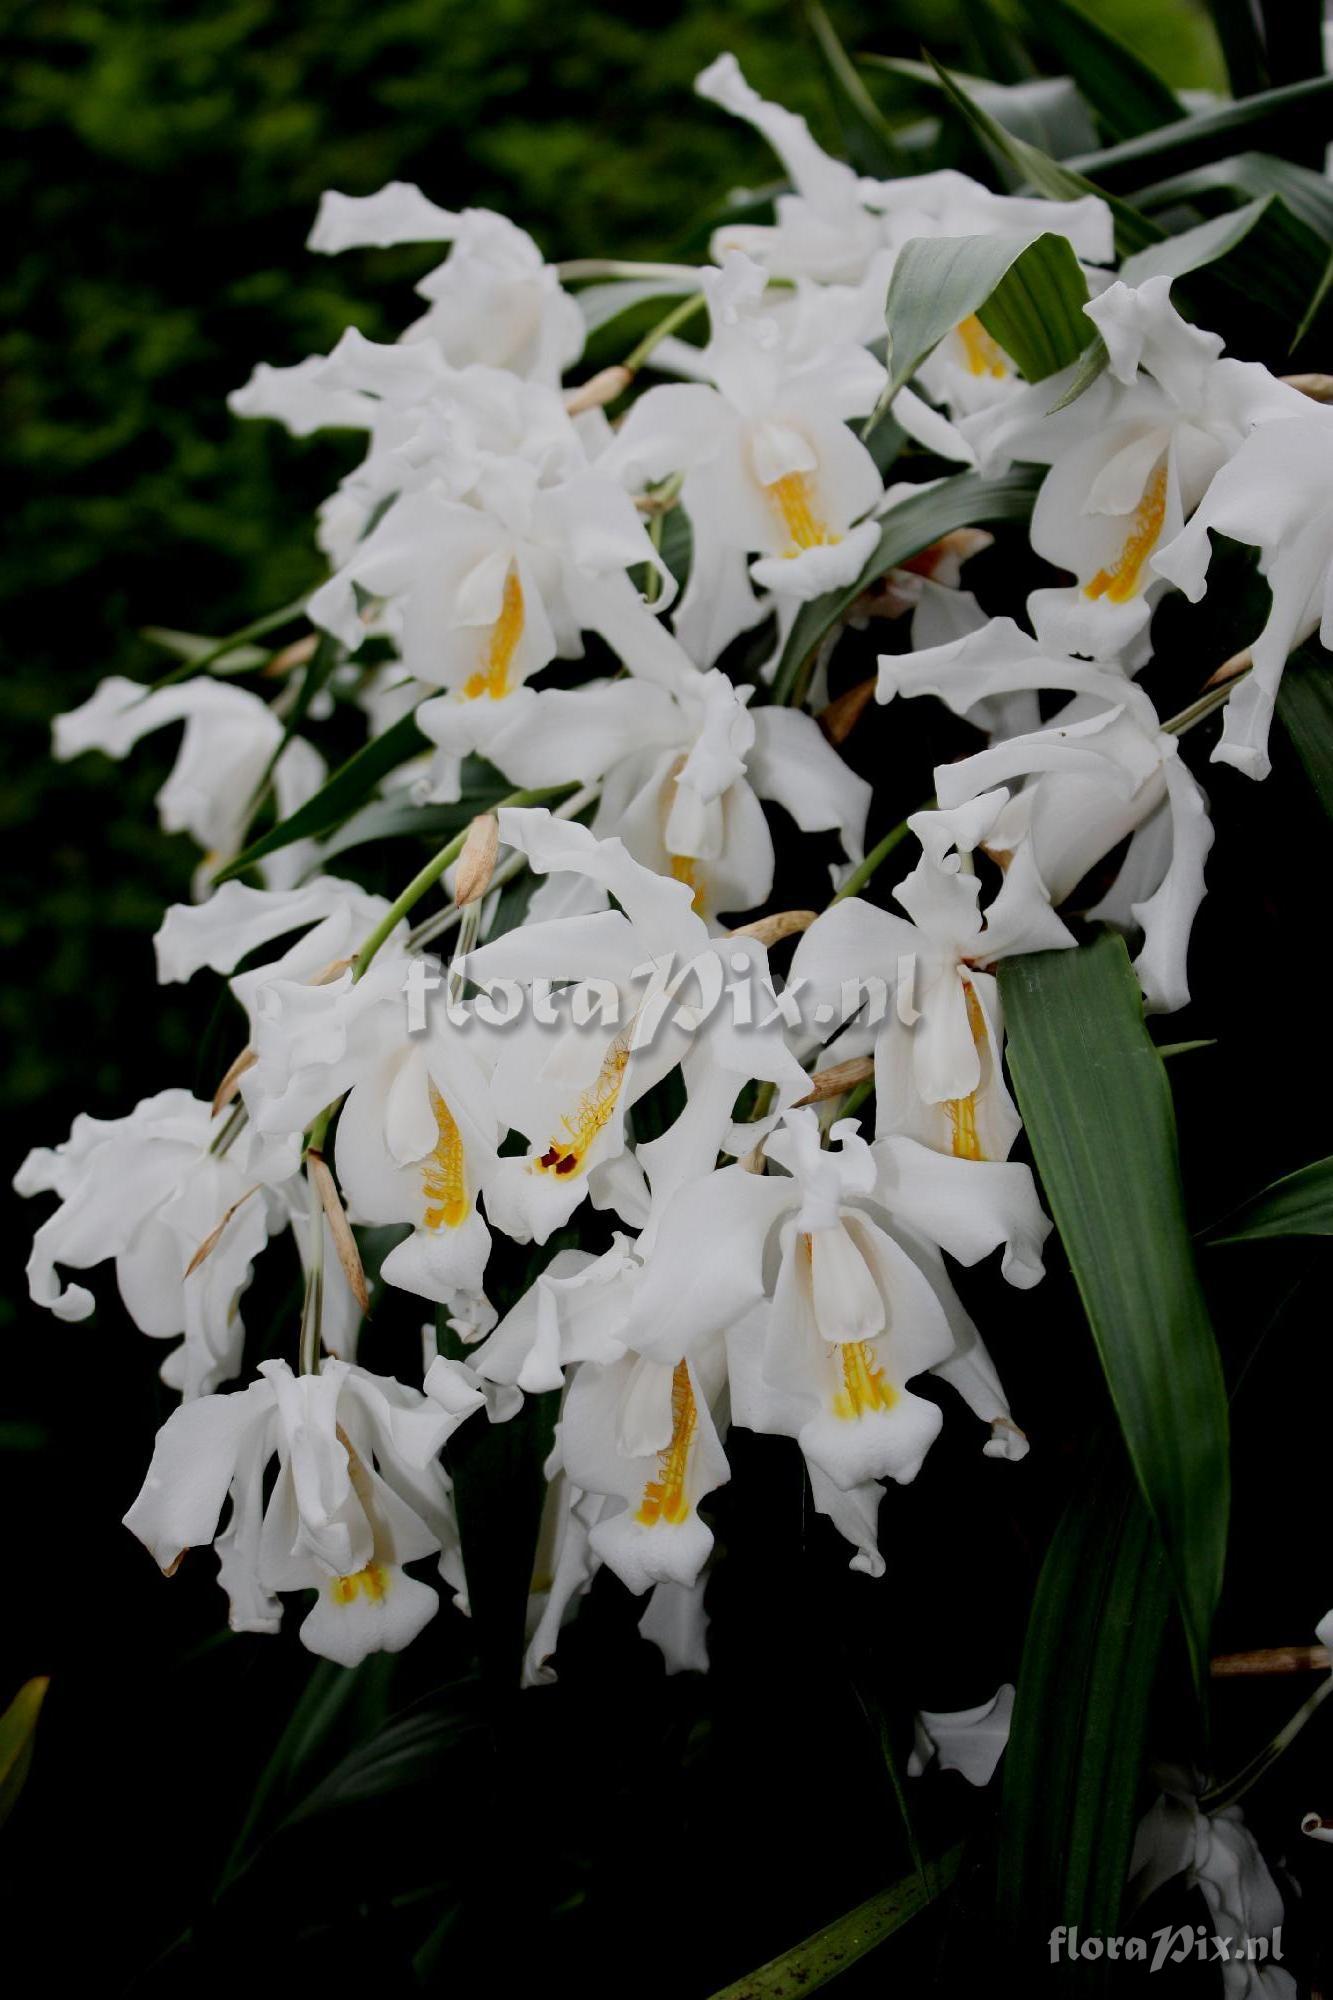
point(372, 1582)
point(1121, 581)
point(963, 1110)
point(685, 868)
point(863, 1386)
point(664, 1498)
point(984, 355)
point(492, 677)
point(797, 505)
point(443, 1181)
point(595, 1107)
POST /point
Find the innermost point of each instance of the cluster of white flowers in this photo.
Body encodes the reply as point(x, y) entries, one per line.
point(774, 1265)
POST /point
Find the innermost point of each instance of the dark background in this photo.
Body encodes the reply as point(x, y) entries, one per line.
point(162, 169)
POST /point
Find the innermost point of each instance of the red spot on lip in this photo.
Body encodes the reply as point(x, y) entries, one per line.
point(549, 1159)
point(568, 1164)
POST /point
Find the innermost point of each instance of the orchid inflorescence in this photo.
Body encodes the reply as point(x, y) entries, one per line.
point(776, 1262)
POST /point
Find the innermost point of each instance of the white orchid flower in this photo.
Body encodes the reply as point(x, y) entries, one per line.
point(839, 228)
point(493, 300)
point(945, 1120)
point(1130, 460)
point(654, 998)
point(1217, 1854)
point(843, 233)
point(682, 771)
point(331, 915)
point(146, 1191)
point(853, 1318)
point(230, 740)
point(970, 1741)
point(360, 1493)
point(416, 1142)
point(1277, 495)
point(416, 1138)
point(1102, 770)
point(770, 468)
point(637, 1335)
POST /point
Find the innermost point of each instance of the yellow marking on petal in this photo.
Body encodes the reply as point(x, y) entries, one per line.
point(372, 1582)
point(863, 1386)
point(685, 868)
point(664, 1498)
point(1121, 581)
point(798, 508)
point(985, 356)
point(592, 1115)
point(963, 1110)
point(442, 1177)
point(492, 677)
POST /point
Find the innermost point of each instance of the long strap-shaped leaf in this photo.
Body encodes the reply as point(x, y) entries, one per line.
point(1052, 177)
point(1127, 95)
point(1097, 1107)
point(1272, 118)
point(1305, 710)
point(1071, 1771)
point(962, 502)
point(1033, 283)
point(338, 797)
point(1300, 1204)
point(817, 1959)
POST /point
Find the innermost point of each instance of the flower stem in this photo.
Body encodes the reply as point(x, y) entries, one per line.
point(426, 877)
point(312, 1309)
point(203, 661)
point(678, 315)
point(1203, 707)
point(877, 856)
point(575, 268)
point(1235, 1788)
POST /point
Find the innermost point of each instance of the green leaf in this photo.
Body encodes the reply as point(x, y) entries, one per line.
point(1193, 248)
point(1036, 310)
point(18, 1734)
point(1046, 111)
point(1316, 305)
point(500, 1493)
point(337, 797)
point(410, 1752)
point(1032, 289)
point(967, 500)
point(1308, 196)
point(1127, 96)
point(1300, 1204)
point(818, 1959)
point(1048, 176)
point(396, 817)
point(217, 651)
point(1272, 118)
point(1001, 53)
point(1097, 1108)
point(866, 132)
point(1239, 33)
point(1096, 360)
point(193, 646)
point(1305, 710)
point(1261, 250)
point(335, 1703)
point(1072, 1767)
point(1293, 38)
